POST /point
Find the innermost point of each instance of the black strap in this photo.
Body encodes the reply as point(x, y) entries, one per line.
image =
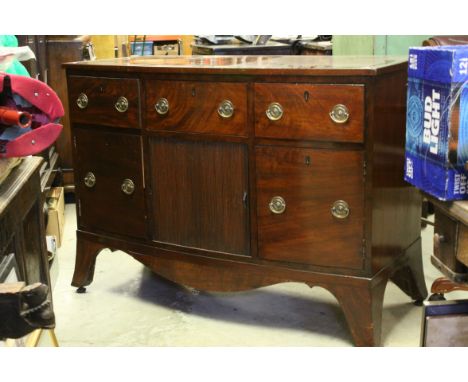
point(6, 92)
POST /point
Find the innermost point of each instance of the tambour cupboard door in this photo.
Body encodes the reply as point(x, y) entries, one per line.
point(104, 163)
point(310, 182)
point(200, 194)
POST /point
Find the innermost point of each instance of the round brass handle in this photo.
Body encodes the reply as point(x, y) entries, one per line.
point(339, 113)
point(441, 238)
point(82, 101)
point(121, 105)
point(274, 111)
point(340, 209)
point(162, 106)
point(438, 240)
point(90, 180)
point(128, 187)
point(226, 109)
point(277, 205)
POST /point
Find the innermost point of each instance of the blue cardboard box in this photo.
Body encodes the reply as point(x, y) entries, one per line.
point(436, 153)
point(142, 49)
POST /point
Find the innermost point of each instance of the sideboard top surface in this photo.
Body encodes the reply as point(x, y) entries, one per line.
point(250, 65)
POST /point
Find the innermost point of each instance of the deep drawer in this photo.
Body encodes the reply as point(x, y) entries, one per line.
point(104, 101)
point(305, 111)
point(310, 206)
point(109, 182)
point(199, 107)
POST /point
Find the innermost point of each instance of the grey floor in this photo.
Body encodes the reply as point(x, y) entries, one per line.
point(127, 305)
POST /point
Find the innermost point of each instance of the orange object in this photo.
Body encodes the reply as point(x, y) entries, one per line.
point(140, 38)
point(14, 117)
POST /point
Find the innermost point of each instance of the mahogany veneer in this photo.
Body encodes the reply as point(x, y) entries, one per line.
point(210, 190)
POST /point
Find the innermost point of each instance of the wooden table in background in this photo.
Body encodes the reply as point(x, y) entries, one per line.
point(22, 229)
point(450, 246)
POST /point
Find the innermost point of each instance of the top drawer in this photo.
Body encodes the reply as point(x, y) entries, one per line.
point(199, 107)
point(305, 111)
point(104, 101)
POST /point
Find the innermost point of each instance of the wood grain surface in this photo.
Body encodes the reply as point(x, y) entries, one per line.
point(307, 232)
point(200, 194)
point(103, 94)
point(111, 157)
point(193, 107)
point(306, 112)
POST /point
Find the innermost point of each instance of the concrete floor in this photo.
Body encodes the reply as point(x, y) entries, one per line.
point(128, 305)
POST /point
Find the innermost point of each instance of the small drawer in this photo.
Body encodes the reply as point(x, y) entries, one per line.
point(111, 102)
point(198, 107)
point(449, 238)
point(305, 111)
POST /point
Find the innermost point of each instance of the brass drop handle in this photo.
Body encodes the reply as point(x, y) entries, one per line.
point(162, 106)
point(277, 205)
point(438, 240)
point(339, 114)
point(128, 187)
point(82, 101)
point(340, 209)
point(121, 105)
point(226, 109)
point(274, 111)
point(90, 180)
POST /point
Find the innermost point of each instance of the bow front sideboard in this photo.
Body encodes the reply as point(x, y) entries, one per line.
point(237, 172)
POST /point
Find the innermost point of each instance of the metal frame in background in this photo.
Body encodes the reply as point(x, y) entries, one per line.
point(444, 323)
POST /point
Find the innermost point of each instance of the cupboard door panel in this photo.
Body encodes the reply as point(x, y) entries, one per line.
point(200, 194)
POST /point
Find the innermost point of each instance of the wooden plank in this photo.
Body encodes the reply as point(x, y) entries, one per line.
point(10, 187)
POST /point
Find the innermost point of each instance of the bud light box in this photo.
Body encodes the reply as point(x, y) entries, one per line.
point(436, 156)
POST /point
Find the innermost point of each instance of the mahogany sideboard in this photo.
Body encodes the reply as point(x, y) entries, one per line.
point(236, 172)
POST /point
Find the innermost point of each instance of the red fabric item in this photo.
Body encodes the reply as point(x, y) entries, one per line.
point(37, 93)
point(45, 129)
point(33, 142)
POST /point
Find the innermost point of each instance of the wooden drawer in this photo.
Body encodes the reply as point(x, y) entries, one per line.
point(306, 111)
point(112, 159)
point(450, 249)
point(104, 101)
point(194, 107)
point(310, 182)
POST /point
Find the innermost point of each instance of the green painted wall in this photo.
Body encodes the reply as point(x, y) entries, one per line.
point(353, 45)
point(375, 45)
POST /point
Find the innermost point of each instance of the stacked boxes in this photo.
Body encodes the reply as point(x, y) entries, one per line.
point(56, 214)
point(436, 158)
